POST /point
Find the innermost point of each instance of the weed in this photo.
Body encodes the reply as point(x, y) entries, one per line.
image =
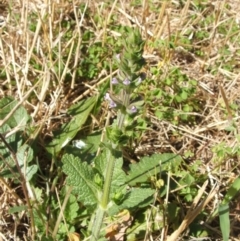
point(71, 168)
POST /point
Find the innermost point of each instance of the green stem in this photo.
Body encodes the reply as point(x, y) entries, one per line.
point(105, 197)
point(121, 116)
point(100, 213)
point(111, 154)
point(108, 178)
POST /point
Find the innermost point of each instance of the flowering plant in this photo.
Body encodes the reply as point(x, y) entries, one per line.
point(129, 63)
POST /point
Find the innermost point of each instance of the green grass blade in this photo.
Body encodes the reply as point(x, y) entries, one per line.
point(223, 211)
point(232, 191)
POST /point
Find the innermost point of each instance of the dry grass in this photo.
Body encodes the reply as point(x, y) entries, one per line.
point(36, 59)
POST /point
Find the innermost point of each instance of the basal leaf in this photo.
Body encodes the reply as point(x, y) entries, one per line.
point(24, 156)
point(30, 172)
point(133, 199)
point(79, 113)
point(136, 196)
point(9, 169)
point(19, 118)
point(80, 176)
point(11, 140)
point(149, 166)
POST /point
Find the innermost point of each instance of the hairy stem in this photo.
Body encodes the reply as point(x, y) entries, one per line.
point(111, 156)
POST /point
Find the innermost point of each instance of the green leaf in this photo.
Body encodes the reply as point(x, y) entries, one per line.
point(135, 198)
point(138, 229)
point(114, 134)
point(80, 176)
point(12, 141)
point(6, 157)
point(94, 140)
point(24, 156)
point(68, 131)
point(101, 162)
point(19, 118)
point(63, 229)
point(232, 191)
point(30, 172)
point(71, 210)
point(148, 166)
point(17, 209)
point(119, 176)
point(223, 211)
point(37, 194)
point(85, 148)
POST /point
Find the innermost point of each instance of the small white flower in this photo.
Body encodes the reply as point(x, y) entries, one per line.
point(79, 144)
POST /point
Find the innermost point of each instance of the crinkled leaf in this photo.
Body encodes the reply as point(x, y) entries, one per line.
point(79, 113)
point(149, 166)
point(80, 176)
point(63, 229)
point(71, 210)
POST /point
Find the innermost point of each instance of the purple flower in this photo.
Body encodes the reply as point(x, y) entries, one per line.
point(126, 82)
point(114, 81)
point(112, 104)
point(107, 97)
point(133, 109)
